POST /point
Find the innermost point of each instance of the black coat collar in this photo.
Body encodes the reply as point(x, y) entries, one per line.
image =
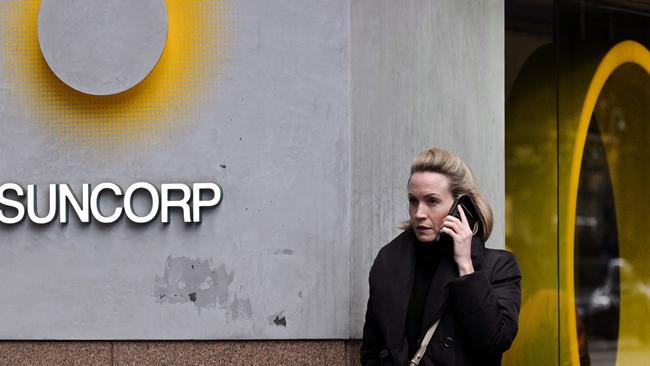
point(438, 294)
point(400, 274)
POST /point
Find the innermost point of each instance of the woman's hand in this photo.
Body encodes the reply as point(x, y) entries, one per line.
point(461, 233)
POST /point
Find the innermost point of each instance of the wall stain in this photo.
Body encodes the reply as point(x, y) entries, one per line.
point(240, 307)
point(278, 319)
point(283, 251)
point(187, 280)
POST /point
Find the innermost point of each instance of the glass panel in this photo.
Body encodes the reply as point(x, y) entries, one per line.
point(531, 177)
point(577, 113)
point(603, 114)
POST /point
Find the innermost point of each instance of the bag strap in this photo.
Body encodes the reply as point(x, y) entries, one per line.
point(425, 342)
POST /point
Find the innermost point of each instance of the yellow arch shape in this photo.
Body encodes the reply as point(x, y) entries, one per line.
point(622, 53)
point(544, 150)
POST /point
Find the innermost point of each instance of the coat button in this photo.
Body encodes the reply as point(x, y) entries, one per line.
point(448, 342)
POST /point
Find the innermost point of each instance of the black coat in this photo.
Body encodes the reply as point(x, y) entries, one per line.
point(478, 311)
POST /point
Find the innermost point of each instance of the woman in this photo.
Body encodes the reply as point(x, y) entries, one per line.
point(419, 277)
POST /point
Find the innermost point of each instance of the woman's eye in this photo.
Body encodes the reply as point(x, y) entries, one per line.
point(433, 202)
point(412, 201)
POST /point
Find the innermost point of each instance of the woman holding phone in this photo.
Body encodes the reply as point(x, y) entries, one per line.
point(438, 296)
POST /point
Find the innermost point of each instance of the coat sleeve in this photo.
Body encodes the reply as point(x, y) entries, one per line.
point(487, 304)
point(372, 344)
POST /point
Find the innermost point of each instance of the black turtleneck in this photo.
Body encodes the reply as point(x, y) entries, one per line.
point(427, 256)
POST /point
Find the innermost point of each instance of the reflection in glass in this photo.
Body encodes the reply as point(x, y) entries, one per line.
point(596, 257)
point(578, 180)
point(622, 114)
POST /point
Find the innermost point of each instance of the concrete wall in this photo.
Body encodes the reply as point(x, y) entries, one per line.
point(422, 74)
point(271, 262)
point(310, 135)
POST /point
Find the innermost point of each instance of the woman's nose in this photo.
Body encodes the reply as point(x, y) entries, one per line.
point(420, 212)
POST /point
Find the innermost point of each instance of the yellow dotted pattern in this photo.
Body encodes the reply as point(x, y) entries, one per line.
point(167, 100)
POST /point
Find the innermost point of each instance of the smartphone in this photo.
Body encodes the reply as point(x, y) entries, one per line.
point(470, 213)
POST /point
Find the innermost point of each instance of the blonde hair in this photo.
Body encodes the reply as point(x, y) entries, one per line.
point(461, 182)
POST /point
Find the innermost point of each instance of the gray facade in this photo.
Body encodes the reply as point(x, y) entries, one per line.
point(321, 109)
point(422, 74)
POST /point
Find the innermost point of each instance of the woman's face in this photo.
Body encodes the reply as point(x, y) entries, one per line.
point(429, 203)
